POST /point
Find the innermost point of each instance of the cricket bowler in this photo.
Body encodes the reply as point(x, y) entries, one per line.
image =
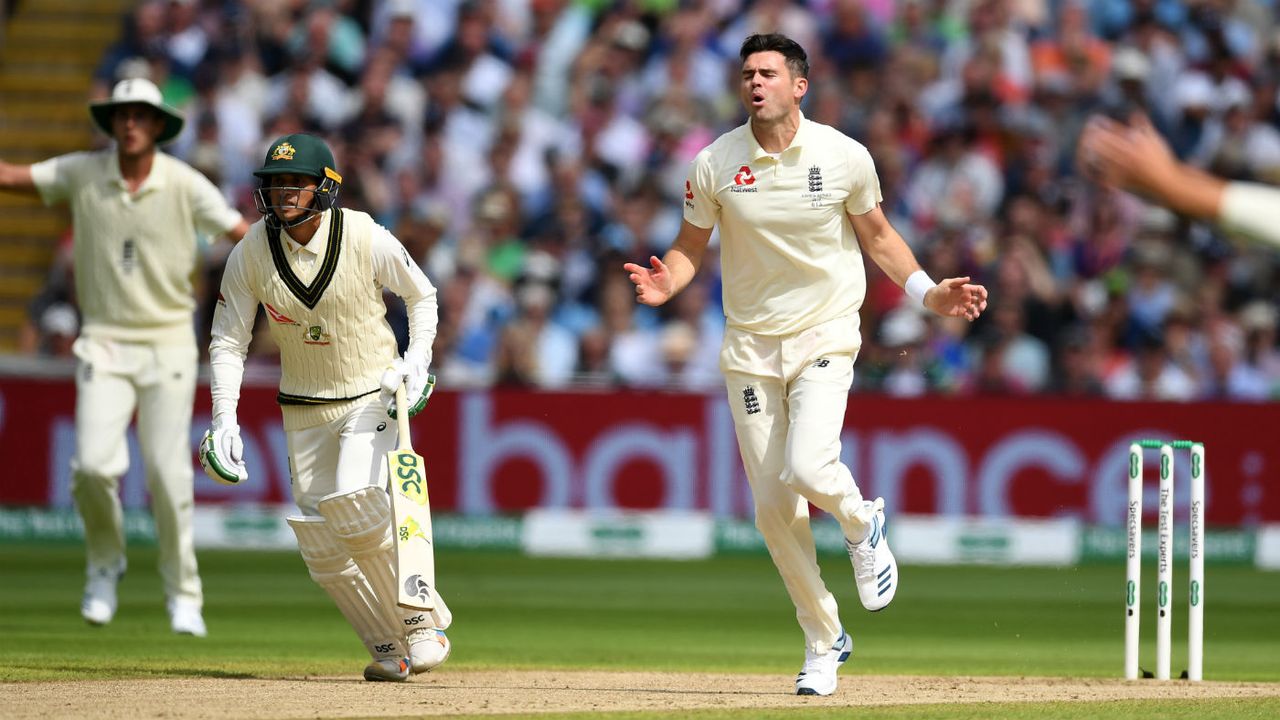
point(318, 271)
point(136, 214)
point(798, 204)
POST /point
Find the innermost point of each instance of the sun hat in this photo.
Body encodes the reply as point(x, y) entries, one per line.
point(137, 90)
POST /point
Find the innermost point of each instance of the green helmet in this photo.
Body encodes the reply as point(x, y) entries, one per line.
point(298, 154)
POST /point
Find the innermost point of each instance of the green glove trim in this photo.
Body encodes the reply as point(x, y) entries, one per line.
point(421, 403)
point(211, 460)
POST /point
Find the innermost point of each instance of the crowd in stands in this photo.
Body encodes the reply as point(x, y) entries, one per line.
point(524, 149)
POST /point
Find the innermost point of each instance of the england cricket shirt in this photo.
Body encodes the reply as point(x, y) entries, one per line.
point(135, 253)
point(788, 253)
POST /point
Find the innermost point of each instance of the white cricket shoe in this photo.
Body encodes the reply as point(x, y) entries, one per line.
point(185, 617)
point(428, 649)
point(98, 606)
point(387, 670)
point(874, 568)
point(818, 676)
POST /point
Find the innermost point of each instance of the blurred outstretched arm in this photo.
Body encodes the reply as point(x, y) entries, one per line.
point(1134, 157)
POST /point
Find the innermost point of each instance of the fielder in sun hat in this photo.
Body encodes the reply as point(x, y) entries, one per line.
point(140, 91)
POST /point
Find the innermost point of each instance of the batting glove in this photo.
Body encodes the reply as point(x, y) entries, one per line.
point(418, 383)
point(222, 453)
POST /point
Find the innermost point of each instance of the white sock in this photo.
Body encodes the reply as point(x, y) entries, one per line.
point(855, 520)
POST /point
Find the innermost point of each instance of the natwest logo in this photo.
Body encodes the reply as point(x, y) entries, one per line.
point(743, 181)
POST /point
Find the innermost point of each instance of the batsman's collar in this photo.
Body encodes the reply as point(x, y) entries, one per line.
point(318, 243)
point(797, 142)
point(137, 90)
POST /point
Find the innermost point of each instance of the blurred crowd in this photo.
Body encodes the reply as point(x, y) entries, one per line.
point(524, 149)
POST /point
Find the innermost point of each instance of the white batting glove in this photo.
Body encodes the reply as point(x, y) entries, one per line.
point(418, 383)
point(222, 452)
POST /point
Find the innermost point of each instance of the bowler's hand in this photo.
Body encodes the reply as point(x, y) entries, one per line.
point(653, 286)
point(955, 297)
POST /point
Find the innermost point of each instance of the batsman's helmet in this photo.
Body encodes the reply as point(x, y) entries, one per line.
point(298, 154)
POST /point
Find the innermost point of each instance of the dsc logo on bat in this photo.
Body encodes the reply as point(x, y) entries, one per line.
point(410, 478)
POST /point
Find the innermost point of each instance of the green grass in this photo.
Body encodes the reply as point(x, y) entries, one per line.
point(267, 619)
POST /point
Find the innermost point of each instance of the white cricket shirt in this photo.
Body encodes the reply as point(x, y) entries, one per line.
point(136, 253)
point(789, 257)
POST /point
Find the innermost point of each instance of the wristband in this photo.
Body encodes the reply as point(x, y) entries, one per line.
point(918, 283)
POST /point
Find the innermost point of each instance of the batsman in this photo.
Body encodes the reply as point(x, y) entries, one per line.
point(318, 271)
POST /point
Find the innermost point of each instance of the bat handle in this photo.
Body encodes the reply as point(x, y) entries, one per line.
point(402, 417)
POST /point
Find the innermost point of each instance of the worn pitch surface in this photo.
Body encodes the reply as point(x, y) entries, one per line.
point(483, 692)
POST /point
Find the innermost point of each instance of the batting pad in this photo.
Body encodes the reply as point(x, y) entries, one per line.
point(362, 521)
point(332, 569)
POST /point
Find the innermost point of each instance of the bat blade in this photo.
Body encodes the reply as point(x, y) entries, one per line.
point(411, 520)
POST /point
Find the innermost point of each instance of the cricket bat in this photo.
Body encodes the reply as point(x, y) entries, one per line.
point(411, 518)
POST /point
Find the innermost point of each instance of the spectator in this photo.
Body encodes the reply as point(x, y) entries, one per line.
point(590, 112)
point(955, 186)
point(1076, 371)
point(534, 351)
point(902, 334)
point(1149, 375)
point(333, 40)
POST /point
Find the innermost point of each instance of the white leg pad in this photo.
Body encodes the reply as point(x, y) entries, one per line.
point(332, 568)
point(362, 521)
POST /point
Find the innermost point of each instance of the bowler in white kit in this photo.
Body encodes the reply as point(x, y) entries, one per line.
point(798, 204)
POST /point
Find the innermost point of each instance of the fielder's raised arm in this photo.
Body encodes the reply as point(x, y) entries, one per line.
point(16, 178)
point(1136, 158)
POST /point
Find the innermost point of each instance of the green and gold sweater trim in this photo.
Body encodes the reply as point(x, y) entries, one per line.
point(309, 295)
point(284, 398)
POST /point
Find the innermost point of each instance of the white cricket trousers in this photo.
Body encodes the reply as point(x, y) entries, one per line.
point(344, 454)
point(158, 380)
point(788, 395)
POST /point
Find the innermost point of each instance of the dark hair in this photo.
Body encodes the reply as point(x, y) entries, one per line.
point(797, 60)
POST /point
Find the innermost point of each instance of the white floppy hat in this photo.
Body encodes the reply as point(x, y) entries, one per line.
point(137, 90)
